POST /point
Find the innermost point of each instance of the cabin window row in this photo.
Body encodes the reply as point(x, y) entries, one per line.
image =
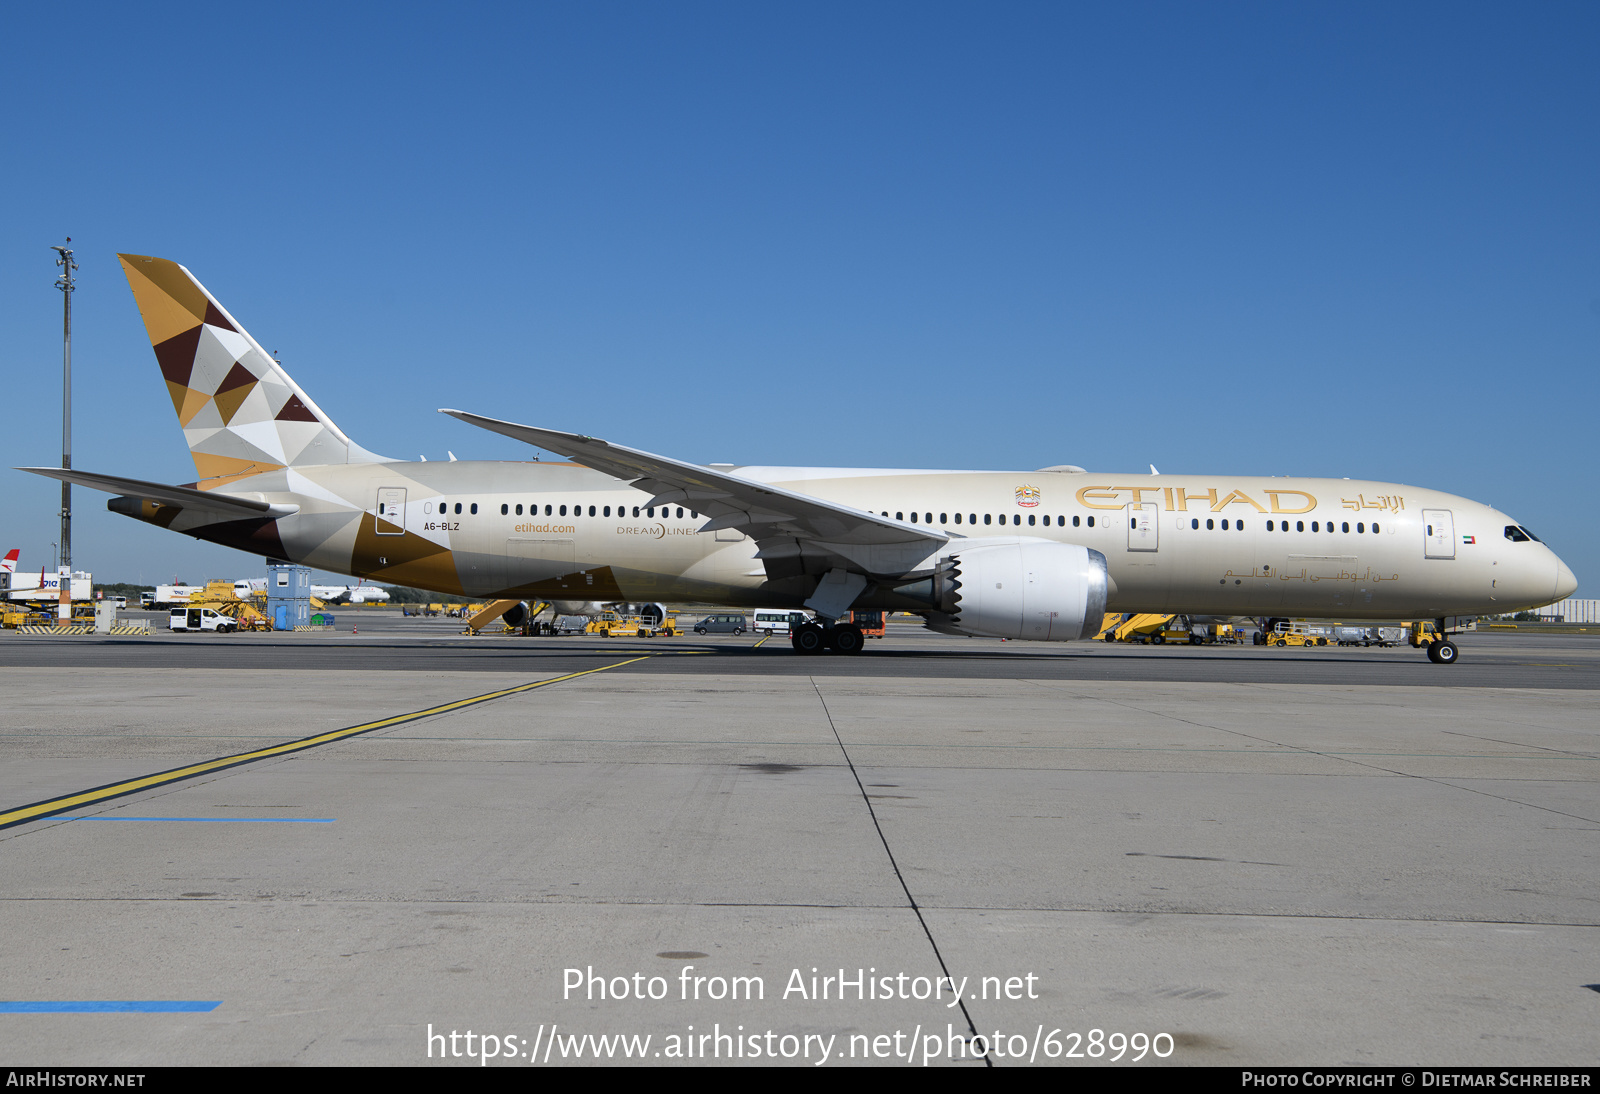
point(1275, 526)
point(990, 518)
point(1320, 526)
point(667, 512)
point(506, 509)
point(1211, 523)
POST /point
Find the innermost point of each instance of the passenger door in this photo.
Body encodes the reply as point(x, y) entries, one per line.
point(1439, 534)
point(1142, 534)
point(391, 519)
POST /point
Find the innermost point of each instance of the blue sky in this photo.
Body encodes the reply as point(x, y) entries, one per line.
point(1344, 240)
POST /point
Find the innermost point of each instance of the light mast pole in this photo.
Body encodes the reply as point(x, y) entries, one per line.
point(66, 283)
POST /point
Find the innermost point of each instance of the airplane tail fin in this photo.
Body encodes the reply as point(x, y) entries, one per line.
point(240, 412)
point(9, 564)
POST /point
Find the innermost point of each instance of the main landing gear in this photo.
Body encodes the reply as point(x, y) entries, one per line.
point(839, 637)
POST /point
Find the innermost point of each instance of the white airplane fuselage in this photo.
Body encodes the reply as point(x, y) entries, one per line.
point(1172, 543)
point(1031, 554)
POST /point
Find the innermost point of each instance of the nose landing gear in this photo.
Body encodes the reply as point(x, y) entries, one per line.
point(1435, 636)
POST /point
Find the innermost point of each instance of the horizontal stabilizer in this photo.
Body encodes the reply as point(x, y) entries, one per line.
point(183, 497)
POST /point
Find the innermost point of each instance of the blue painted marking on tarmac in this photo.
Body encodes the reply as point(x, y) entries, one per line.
point(211, 820)
point(109, 1006)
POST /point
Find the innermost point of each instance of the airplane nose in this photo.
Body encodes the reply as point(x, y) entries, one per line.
point(1566, 582)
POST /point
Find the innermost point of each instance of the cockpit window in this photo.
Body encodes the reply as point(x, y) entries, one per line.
point(1518, 534)
point(1529, 534)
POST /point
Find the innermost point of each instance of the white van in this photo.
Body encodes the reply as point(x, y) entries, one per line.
point(200, 619)
point(771, 621)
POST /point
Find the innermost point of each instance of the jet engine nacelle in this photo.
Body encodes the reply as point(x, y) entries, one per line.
point(1031, 589)
point(516, 615)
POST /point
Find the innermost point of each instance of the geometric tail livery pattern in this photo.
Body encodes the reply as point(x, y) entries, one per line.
point(240, 412)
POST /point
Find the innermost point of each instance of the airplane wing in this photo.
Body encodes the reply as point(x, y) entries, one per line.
point(788, 528)
point(183, 497)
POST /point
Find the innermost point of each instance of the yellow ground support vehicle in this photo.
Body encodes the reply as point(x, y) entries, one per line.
point(1295, 634)
point(1141, 627)
point(1176, 630)
point(220, 596)
point(1421, 634)
point(1223, 634)
point(614, 625)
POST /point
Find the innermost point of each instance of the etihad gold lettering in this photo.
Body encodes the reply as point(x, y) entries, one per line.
point(1279, 507)
point(1104, 493)
point(1236, 496)
point(1184, 498)
point(1136, 491)
point(1177, 499)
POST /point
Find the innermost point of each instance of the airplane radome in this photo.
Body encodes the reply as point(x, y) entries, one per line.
point(1032, 555)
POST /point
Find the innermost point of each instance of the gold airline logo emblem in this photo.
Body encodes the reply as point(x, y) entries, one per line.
point(1028, 496)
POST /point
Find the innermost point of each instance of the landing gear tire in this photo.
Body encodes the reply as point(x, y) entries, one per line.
point(848, 638)
point(1443, 653)
point(810, 639)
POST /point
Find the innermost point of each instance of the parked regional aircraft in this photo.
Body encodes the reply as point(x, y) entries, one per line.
point(1033, 555)
point(334, 594)
point(8, 565)
point(349, 594)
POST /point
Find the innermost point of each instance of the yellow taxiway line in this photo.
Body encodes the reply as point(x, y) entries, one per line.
point(27, 813)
